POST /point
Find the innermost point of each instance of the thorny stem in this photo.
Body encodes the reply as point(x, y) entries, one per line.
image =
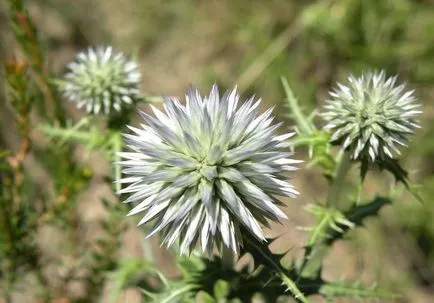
point(117, 147)
point(312, 261)
point(313, 258)
point(334, 195)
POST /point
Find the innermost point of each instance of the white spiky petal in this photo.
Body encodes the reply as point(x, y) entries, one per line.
point(206, 171)
point(101, 80)
point(371, 115)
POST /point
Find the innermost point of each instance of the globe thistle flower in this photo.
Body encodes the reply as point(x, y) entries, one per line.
point(101, 80)
point(371, 116)
point(207, 171)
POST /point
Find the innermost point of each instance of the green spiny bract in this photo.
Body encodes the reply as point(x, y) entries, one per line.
point(371, 115)
point(204, 170)
point(101, 80)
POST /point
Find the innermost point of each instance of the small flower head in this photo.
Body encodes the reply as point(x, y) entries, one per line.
point(101, 80)
point(371, 116)
point(207, 171)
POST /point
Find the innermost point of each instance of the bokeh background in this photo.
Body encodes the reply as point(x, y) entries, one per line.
point(252, 44)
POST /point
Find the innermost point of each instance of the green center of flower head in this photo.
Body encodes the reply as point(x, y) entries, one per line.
point(101, 83)
point(367, 115)
point(102, 79)
point(207, 171)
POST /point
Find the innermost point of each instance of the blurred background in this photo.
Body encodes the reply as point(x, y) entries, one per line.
point(252, 44)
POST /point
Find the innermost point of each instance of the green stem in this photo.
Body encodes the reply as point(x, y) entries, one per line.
point(153, 99)
point(117, 147)
point(312, 260)
point(315, 255)
point(308, 141)
point(69, 133)
point(66, 134)
point(334, 195)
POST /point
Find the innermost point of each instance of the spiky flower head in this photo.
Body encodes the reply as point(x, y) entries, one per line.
point(371, 116)
point(101, 80)
point(207, 171)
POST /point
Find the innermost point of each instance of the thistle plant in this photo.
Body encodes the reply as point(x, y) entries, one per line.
point(208, 173)
point(101, 80)
point(206, 170)
point(371, 116)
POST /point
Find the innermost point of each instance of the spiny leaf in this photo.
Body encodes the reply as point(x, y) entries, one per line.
point(401, 175)
point(361, 212)
point(263, 255)
point(243, 284)
point(84, 133)
point(314, 254)
point(354, 217)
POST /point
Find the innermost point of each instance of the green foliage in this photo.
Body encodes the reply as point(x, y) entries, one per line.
point(326, 220)
point(308, 135)
point(27, 36)
point(26, 33)
point(84, 132)
point(400, 174)
point(134, 272)
point(216, 283)
point(262, 254)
